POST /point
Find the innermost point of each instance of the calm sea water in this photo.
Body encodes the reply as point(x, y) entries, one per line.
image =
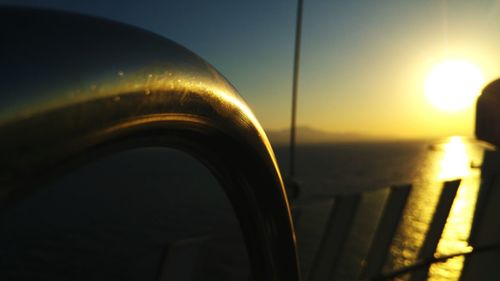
point(352, 167)
point(117, 216)
point(331, 169)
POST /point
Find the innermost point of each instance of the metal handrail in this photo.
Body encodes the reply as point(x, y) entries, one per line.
point(75, 88)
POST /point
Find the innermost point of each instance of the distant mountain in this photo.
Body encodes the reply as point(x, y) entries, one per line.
point(307, 134)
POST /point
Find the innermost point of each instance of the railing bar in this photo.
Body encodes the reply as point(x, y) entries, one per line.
point(436, 226)
point(427, 262)
point(338, 226)
point(488, 181)
point(386, 229)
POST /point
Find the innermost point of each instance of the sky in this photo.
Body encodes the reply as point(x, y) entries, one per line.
point(363, 63)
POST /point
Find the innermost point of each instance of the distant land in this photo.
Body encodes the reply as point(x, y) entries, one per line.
point(307, 134)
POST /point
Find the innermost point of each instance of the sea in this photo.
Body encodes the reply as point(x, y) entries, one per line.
point(367, 168)
point(158, 214)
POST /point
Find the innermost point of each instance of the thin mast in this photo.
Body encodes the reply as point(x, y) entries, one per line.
point(296, 60)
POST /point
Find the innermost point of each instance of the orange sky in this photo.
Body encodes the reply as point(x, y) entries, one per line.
point(363, 63)
point(365, 72)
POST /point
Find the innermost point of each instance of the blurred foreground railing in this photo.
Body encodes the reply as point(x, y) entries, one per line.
point(347, 226)
point(482, 251)
point(75, 88)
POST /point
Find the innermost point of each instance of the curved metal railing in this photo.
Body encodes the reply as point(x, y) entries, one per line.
point(75, 88)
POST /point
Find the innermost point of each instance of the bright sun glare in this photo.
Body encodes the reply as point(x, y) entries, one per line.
point(453, 85)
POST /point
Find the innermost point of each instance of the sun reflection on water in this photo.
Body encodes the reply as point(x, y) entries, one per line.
point(447, 161)
point(455, 163)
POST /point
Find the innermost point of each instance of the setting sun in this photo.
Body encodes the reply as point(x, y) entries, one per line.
point(453, 85)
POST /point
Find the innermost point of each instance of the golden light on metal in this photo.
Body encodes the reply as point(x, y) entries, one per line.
point(75, 88)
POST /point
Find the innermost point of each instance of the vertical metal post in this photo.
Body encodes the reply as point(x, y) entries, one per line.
point(296, 60)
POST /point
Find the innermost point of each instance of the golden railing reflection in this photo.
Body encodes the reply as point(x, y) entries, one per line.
point(455, 163)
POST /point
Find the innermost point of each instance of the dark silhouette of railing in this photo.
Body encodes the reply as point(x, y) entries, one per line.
point(339, 226)
point(75, 88)
point(484, 236)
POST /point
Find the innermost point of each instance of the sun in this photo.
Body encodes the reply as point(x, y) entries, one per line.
point(453, 85)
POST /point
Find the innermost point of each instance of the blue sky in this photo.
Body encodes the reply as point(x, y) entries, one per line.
point(363, 64)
